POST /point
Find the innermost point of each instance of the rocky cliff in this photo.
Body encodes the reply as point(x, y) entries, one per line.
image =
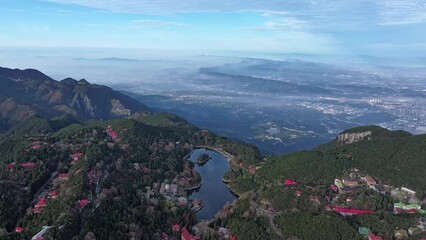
point(351, 137)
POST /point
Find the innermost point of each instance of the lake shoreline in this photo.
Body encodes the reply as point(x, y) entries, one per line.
point(212, 189)
point(231, 161)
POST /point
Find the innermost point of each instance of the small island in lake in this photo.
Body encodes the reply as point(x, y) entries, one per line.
point(203, 158)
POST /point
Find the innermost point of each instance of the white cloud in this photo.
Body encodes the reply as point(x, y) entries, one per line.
point(398, 12)
point(148, 23)
point(284, 23)
point(33, 28)
point(382, 12)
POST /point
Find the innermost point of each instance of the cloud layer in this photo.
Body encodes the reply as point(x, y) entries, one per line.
point(382, 12)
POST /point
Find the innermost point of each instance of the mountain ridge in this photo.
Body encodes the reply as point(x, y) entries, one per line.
point(26, 93)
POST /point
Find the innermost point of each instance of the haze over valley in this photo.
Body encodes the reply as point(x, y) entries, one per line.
point(279, 105)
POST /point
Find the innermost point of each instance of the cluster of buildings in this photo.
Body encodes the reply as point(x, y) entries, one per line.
point(409, 204)
point(174, 191)
point(110, 131)
point(50, 193)
point(184, 234)
point(366, 232)
point(346, 211)
point(175, 194)
point(356, 181)
point(399, 208)
point(409, 111)
point(411, 231)
point(404, 194)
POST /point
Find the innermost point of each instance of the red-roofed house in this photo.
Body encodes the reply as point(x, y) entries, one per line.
point(314, 199)
point(412, 211)
point(40, 205)
point(76, 156)
point(35, 147)
point(183, 181)
point(233, 238)
point(19, 229)
point(333, 187)
point(164, 236)
point(83, 202)
point(29, 164)
point(10, 166)
point(63, 176)
point(328, 198)
point(289, 182)
point(253, 170)
point(41, 202)
point(398, 210)
point(298, 193)
point(372, 236)
point(369, 180)
point(53, 194)
point(176, 227)
point(349, 199)
point(350, 183)
point(351, 211)
point(185, 235)
point(113, 134)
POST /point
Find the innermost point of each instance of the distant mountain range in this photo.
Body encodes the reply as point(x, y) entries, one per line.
point(26, 93)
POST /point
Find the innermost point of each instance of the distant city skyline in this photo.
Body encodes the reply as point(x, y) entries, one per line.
point(386, 28)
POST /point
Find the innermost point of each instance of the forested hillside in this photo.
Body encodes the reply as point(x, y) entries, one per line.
point(99, 179)
point(295, 195)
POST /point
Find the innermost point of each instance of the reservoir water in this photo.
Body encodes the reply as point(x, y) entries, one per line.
point(213, 191)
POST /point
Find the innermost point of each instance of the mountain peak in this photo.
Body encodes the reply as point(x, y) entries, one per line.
point(83, 81)
point(70, 81)
point(23, 75)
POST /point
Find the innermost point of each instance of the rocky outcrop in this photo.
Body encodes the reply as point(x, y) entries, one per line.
point(119, 109)
point(351, 137)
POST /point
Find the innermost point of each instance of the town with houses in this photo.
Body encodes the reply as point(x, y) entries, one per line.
point(407, 113)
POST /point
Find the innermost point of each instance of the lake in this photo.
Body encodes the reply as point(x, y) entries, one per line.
point(213, 191)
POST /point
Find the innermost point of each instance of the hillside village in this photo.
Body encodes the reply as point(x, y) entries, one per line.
point(80, 174)
point(120, 173)
point(74, 167)
point(356, 193)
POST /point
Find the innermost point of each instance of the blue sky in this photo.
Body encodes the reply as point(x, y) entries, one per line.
point(385, 28)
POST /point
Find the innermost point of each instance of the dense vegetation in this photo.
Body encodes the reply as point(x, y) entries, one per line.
point(246, 224)
point(393, 157)
point(387, 155)
point(307, 225)
point(127, 164)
